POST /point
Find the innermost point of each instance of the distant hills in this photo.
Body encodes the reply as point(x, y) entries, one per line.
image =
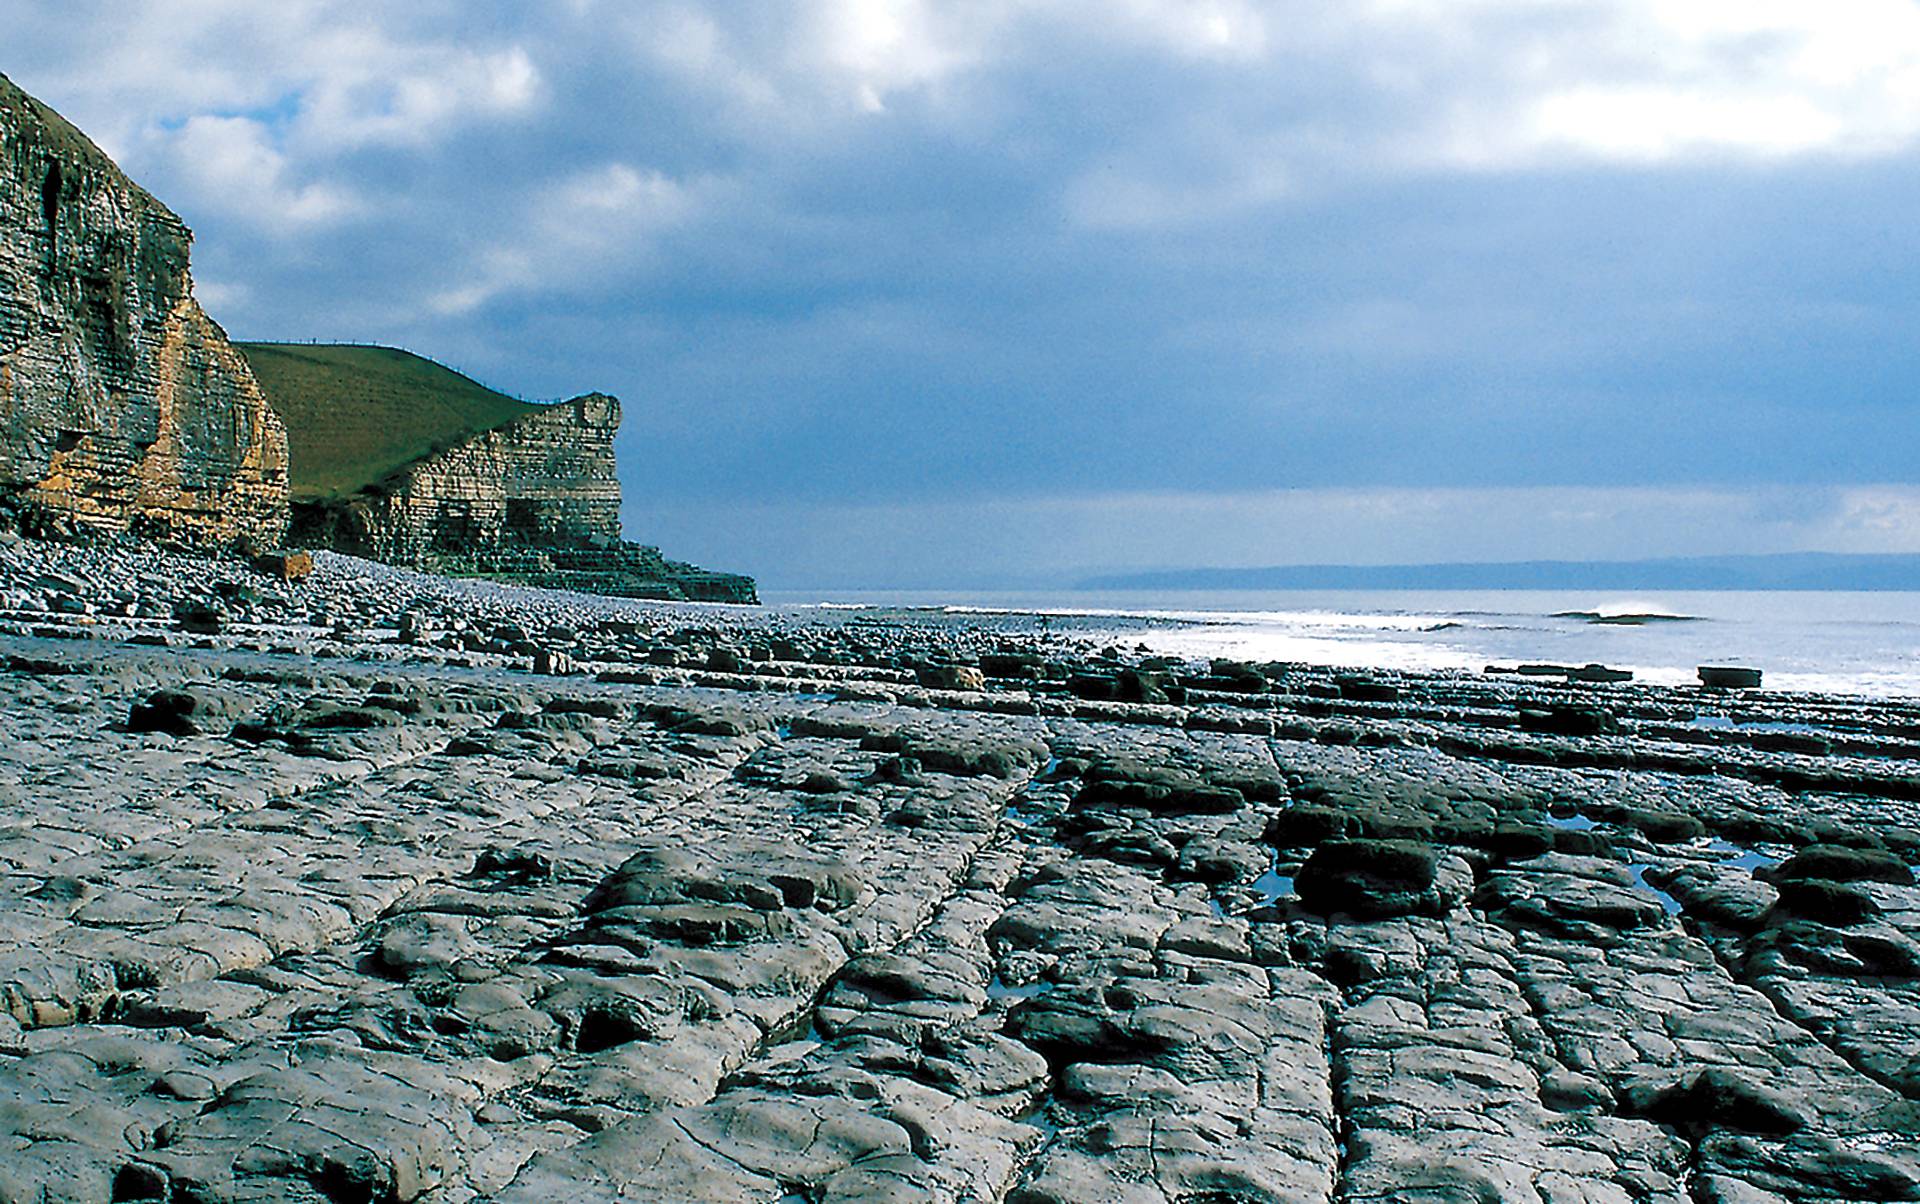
point(1787, 571)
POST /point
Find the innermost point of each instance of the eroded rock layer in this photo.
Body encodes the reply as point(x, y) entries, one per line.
point(545, 480)
point(122, 405)
point(399, 889)
point(535, 500)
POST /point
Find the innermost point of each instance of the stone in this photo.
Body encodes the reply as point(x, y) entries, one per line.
point(127, 408)
point(168, 711)
point(1569, 720)
point(552, 662)
point(1373, 879)
point(1363, 689)
point(1714, 1096)
point(200, 620)
point(285, 566)
point(1599, 674)
point(952, 677)
point(1838, 863)
point(1828, 902)
point(1727, 677)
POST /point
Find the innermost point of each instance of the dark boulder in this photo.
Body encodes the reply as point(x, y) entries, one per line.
point(1511, 840)
point(1308, 824)
point(1834, 903)
point(1837, 863)
point(1134, 685)
point(1010, 664)
point(1362, 689)
point(1599, 674)
point(1663, 827)
point(952, 677)
point(1563, 720)
point(167, 711)
point(1717, 1097)
point(1090, 686)
point(1373, 879)
point(200, 620)
point(1164, 792)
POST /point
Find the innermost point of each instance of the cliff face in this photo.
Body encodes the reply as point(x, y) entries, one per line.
point(534, 500)
point(545, 480)
point(123, 408)
point(122, 405)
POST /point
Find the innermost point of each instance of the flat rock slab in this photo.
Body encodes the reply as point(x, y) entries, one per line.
point(337, 903)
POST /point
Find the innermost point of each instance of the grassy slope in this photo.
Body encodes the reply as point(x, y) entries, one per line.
point(355, 414)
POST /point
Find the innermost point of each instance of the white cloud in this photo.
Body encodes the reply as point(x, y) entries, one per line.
point(359, 72)
point(412, 96)
point(1479, 85)
point(1876, 518)
point(232, 167)
point(590, 227)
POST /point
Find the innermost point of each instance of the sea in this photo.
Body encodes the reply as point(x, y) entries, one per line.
point(1864, 643)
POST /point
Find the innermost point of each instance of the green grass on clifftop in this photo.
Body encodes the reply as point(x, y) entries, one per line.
point(356, 414)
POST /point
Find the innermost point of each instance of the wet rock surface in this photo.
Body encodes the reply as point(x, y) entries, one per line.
point(337, 898)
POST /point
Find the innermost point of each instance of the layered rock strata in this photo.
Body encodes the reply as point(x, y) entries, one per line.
point(543, 481)
point(122, 405)
point(534, 500)
point(344, 902)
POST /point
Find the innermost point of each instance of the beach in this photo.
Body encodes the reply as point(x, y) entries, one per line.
point(383, 886)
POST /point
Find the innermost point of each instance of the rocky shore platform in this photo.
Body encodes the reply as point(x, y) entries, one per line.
point(383, 887)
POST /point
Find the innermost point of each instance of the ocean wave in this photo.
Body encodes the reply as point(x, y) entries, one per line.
point(1626, 618)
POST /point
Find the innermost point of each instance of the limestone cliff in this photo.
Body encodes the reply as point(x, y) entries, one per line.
point(545, 480)
point(122, 405)
point(399, 459)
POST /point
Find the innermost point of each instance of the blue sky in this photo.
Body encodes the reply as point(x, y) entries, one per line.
point(1013, 290)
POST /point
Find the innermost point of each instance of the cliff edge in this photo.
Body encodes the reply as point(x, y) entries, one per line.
point(123, 407)
point(399, 459)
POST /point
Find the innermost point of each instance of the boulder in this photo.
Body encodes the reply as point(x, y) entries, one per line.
point(1839, 863)
point(1596, 674)
point(1565, 720)
point(1727, 677)
point(551, 662)
point(1834, 903)
point(1363, 689)
point(952, 677)
point(285, 566)
point(167, 711)
point(200, 620)
point(1373, 879)
point(1721, 1097)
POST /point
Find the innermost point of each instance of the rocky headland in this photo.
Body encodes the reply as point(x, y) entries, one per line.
point(402, 460)
point(383, 886)
point(125, 409)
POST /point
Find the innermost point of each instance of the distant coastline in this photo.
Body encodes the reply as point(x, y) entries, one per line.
point(1787, 571)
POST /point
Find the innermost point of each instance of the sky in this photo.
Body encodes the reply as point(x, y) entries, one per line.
point(999, 292)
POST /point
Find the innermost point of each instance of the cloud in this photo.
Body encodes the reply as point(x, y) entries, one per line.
point(1021, 258)
point(231, 165)
point(413, 97)
point(592, 226)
